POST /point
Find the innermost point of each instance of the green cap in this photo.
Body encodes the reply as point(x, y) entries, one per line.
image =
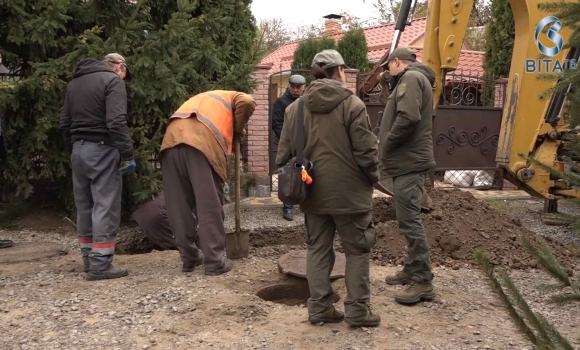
point(402, 53)
point(329, 59)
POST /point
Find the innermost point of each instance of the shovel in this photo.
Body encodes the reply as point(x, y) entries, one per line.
point(238, 242)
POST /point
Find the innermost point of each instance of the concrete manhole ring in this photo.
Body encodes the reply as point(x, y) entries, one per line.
point(293, 292)
point(28, 251)
point(294, 263)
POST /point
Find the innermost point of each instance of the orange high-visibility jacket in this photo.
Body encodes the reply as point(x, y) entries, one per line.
point(214, 110)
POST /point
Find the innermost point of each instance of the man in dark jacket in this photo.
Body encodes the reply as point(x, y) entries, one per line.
point(295, 90)
point(406, 156)
point(94, 122)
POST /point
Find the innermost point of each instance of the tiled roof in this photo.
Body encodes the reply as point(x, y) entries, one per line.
point(378, 40)
point(470, 62)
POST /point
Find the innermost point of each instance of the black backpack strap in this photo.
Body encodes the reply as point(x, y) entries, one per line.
point(300, 133)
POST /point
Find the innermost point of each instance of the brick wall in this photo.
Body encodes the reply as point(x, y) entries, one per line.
point(257, 137)
point(500, 92)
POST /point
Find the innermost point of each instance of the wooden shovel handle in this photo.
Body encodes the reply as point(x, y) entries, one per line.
point(238, 181)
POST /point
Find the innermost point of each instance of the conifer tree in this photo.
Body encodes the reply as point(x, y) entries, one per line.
point(353, 48)
point(499, 46)
point(175, 49)
point(306, 51)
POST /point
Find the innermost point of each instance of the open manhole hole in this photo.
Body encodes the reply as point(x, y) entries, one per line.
point(293, 292)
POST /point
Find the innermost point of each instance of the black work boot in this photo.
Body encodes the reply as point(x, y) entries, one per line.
point(368, 320)
point(6, 243)
point(226, 267)
point(109, 273)
point(330, 315)
point(400, 278)
point(86, 263)
point(288, 214)
point(189, 267)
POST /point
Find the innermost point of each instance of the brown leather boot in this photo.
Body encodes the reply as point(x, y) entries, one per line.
point(400, 278)
point(415, 292)
point(330, 315)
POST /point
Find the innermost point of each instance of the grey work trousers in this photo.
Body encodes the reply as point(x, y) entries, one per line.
point(97, 187)
point(192, 186)
point(358, 236)
point(408, 193)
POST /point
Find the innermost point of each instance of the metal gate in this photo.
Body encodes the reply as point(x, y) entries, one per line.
point(465, 129)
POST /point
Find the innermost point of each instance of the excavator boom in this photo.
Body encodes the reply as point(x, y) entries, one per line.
point(531, 127)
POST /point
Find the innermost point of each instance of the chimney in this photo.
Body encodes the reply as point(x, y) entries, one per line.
point(332, 25)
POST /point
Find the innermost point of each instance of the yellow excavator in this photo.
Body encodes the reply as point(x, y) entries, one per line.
point(531, 128)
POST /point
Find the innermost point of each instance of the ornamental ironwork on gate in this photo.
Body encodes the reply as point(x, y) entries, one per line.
point(465, 128)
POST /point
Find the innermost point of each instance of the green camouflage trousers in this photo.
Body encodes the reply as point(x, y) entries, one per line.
point(408, 192)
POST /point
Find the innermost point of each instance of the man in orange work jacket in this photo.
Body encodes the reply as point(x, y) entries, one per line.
point(193, 156)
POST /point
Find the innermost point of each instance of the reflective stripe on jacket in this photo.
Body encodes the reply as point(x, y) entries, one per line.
point(214, 110)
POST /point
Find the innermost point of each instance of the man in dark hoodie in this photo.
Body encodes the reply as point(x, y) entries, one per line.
point(295, 90)
point(406, 156)
point(94, 122)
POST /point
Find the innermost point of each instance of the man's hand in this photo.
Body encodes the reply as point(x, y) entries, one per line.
point(128, 167)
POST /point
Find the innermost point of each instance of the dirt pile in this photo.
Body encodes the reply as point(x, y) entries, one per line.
point(459, 226)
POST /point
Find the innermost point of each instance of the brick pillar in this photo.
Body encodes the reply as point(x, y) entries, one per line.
point(351, 79)
point(257, 138)
point(500, 92)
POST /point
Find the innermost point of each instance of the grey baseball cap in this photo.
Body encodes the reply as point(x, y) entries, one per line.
point(118, 59)
point(297, 79)
point(402, 53)
point(330, 59)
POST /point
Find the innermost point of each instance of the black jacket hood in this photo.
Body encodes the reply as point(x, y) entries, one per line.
point(91, 65)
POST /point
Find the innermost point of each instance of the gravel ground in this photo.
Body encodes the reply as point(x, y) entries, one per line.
point(530, 213)
point(48, 304)
point(260, 218)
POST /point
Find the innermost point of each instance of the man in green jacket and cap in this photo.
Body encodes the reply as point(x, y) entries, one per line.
point(406, 156)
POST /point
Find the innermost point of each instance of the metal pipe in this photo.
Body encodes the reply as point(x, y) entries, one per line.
point(402, 22)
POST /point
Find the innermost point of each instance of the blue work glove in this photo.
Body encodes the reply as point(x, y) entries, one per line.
point(128, 167)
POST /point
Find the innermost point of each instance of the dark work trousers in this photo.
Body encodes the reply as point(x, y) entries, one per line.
point(358, 236)
point(409, 189)
point(97, 186)
point(285, 205)
point(152, 218)
point(189, 183)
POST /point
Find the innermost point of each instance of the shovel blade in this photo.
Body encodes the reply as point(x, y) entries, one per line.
point(237, 245)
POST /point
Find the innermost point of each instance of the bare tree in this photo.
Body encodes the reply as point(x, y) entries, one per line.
point(272, 33)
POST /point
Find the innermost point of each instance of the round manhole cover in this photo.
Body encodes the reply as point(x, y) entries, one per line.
point(28, 251)
point(294, 263)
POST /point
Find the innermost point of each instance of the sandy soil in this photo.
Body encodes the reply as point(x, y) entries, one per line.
point(47, 304)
